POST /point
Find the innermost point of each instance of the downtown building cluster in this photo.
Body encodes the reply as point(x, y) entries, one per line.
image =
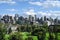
point(29, 20)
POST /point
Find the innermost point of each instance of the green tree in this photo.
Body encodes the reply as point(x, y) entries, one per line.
point(2, 32)
point(16, 36)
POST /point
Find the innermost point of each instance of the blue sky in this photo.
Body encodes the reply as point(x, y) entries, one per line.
point(49, 8)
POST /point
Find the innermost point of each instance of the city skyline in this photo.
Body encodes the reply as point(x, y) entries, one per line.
point(49, 8)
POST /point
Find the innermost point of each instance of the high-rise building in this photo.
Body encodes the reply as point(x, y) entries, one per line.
point(10, 19)
point(45, 19)
point(16, 17)
point(0, 18)
point(6, 18)
point(56, 21)
point(35, 18)
point(30, 18)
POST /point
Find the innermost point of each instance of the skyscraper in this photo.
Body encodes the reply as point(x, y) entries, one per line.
point(0, 18)
point(6, 18)
point(16, 17)
point(30, 18)
point(56, 20)
point(45, 19)
point(35, 18)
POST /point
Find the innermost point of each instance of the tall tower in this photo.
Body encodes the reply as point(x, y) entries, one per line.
point(30, 18)
point(35, 18)
point(45, 19)
point(0, 18)
point(56, 20)
point(16, 17)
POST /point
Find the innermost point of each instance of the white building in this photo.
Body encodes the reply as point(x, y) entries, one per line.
point(14, 29)
point(50, 23)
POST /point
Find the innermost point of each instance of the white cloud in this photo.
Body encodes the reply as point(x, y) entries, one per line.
point(30, 12)
point(50, 13)
point(56, 13)
point(36, 3)
point(10, 14)
point(44, 13)
point(52, 0)
point(47, 3)
point(12, 10)
point(25, 0)
point(7, 1)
